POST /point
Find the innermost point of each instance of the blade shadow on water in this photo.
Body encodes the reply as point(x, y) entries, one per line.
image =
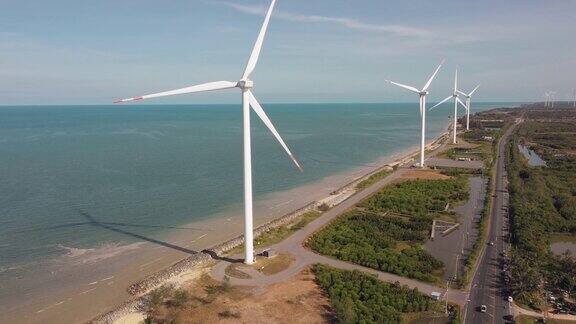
point(91, 220)
point(115, 224)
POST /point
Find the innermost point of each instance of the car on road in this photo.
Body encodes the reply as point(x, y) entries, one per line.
point(510, 299)
point(483, 308)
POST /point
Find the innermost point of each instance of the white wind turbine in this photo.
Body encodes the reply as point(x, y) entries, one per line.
point(574, 99)
point(248, 100)
point(547, 95)
point(422, 95)
point(468, 104)
point(457, 101)
point(552, 98)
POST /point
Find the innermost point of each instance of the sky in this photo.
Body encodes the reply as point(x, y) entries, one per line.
point(92, 52)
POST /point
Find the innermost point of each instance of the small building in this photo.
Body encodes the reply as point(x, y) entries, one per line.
point(436, 295)
point(269, 253)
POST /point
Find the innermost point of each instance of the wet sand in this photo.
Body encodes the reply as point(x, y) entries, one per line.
point(94, 281)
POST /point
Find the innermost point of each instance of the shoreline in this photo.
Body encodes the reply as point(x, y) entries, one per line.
point(176, 253)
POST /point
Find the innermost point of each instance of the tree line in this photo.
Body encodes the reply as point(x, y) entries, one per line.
point(360, 298)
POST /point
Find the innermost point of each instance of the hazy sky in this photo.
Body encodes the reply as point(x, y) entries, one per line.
point(91, 52)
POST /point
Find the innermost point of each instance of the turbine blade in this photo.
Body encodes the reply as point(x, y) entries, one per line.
point(432, 77)
point(456, 81)
point(260, 112)
point(219, 85)
point(463, 105)
point(462, 93)
point(404, 86)
point(258, 46)
point(471, 93)
point(441, 102)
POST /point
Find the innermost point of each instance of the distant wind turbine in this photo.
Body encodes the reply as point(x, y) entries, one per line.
point(457, 101)
point(422, 95)
point(549, 99)
point(248, 100)
point(468, 104)
point(552, 98)
point(574, 99)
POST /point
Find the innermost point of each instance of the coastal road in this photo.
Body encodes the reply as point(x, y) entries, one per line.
point(487, 287)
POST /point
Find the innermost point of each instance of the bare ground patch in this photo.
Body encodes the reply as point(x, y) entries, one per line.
point(415, 174)
point(298, 300)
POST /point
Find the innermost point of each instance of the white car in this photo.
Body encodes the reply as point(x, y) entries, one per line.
point(483, 308)
point(510, 299)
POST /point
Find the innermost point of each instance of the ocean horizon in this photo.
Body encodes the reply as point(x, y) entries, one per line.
point(153, 168)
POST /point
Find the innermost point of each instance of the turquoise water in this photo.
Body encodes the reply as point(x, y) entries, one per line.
point(151, 168)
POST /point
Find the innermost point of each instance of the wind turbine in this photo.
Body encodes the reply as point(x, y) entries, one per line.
point(422, 95)
point(547, 95)
point(574, 102)
point(468, 104)
point(248, 100)
point(457, 101)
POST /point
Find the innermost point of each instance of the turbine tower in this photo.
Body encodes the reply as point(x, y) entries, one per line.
point(422, 95)
point(468, 104)
point(248, 100)
point(574, 99)
point(457, 101)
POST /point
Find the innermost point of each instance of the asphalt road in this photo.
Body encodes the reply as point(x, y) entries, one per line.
point(487, 287)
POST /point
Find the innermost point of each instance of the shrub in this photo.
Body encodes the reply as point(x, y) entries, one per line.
point(360, 298)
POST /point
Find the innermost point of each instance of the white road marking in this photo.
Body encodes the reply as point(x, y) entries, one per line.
point(202, 237)
point(59, 303)
point(93, 283)
point(106, 279)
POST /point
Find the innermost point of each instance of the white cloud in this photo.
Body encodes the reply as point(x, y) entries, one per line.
point(349, 23)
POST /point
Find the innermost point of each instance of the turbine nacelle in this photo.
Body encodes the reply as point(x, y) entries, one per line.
point(245, 84)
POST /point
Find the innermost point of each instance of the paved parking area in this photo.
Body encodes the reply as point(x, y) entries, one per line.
point(448, 163)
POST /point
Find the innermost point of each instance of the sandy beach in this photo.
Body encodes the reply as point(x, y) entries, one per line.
point(96, 280)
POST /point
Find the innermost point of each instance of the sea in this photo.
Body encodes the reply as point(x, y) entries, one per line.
point(152, 168)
